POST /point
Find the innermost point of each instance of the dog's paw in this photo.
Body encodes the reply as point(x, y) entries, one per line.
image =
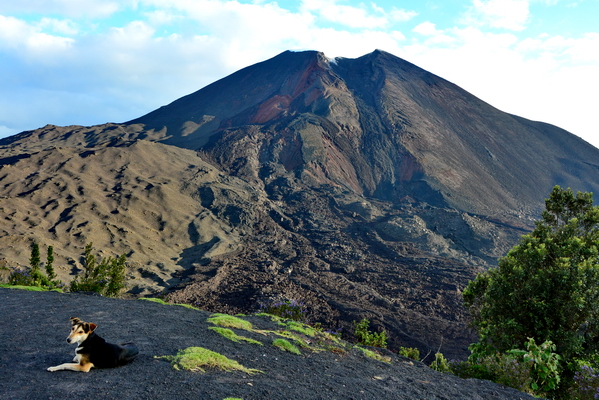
point(52, 369)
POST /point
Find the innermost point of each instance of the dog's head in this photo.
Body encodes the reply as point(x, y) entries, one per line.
point(80, 330)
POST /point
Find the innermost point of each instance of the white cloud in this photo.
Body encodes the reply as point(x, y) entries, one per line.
point(544, 78)
point(402, 15)
point(60, 26)
point(29, 42)
point(69, 8)
point(506, 14)
point(354, 17)
point(426, 28)
point(362, 16)
point(175, 47)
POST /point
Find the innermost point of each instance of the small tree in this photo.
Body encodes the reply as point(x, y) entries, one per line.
point(37, 277)
point(547, 287)
point(49, 264)
point(106, 277)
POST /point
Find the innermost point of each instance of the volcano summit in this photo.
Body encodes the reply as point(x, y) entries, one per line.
point(364, 187)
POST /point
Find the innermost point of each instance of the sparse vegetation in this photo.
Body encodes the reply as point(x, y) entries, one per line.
point(410, 352)
point(285, 345)
point(440, 363)
point(160, 301)
point(368, 338)
point(229, 321)
point(199, 358)
point(289, 309)
point(229, 334)
point(374, 355)
point(34, 276)
point(299, 327)
point(106, 277)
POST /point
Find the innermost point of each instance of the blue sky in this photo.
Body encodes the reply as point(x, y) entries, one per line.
point(87, 62)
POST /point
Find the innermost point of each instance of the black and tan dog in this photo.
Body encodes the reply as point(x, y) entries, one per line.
point(93, 351)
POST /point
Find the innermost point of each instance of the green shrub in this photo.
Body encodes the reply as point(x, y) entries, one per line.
point(534, 370)
point(544, 365)
point(34, 275)
point(106, 277)
point(366, 337)
point(545, 288)
point(410, 352)
point(440, 364)
point(504, 369)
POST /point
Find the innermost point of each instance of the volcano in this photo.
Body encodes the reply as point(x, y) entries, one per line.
point(366, 188)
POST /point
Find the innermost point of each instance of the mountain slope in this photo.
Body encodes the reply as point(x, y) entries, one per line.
point(368, 188)
point(160, 330)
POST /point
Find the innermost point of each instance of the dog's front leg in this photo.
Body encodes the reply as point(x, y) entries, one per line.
point(72, 367)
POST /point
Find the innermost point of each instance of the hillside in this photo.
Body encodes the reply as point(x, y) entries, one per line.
point(363, 187)
point(163, 330)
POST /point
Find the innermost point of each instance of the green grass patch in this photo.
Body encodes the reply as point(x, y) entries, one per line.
point(300, 341)
point(229, 321)
point(229, 334)
point(273, 318)
point(30, 288)
point(285, 345)
point(299, 327)
point(160, 301)
point(199, 358)
point(374, 355)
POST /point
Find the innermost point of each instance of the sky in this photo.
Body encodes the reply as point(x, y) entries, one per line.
point(87, 62)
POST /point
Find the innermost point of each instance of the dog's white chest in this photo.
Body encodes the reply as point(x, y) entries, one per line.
point(77, 355)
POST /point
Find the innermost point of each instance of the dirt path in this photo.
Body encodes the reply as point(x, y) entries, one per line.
point(34, 326)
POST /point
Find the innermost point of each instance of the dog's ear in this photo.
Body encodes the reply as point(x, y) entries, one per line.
point(92, 327)
point(75, 320)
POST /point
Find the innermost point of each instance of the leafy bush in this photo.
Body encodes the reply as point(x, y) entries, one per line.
point(410, 352)
point(545, 288)
point(499, 368)
point(106, 277)
point(534, 370)
point(368, 338)
point(543, 364)
point(440, 364)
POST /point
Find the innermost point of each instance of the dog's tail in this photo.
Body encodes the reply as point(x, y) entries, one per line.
point(130, 350)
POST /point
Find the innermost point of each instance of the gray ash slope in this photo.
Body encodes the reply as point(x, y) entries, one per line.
point(364, 187)
point(163, 330)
